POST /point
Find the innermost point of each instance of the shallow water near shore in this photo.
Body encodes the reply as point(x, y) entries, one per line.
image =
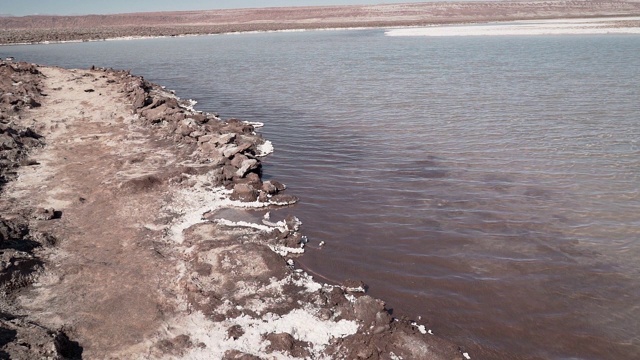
point(490, 185)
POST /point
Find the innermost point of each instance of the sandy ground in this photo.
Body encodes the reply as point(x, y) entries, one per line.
point(163, 247)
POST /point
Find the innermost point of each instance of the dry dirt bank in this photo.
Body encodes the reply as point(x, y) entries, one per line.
point(127, 232)
point(34, 29)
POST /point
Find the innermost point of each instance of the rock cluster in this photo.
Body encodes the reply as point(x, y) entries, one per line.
point(232, 149)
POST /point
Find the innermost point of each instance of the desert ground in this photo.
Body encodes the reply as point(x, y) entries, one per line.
point(37, 29)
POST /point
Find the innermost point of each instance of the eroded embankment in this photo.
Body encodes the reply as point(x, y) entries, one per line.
point(131, 233)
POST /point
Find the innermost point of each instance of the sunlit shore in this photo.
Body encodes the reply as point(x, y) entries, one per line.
point(592, 26)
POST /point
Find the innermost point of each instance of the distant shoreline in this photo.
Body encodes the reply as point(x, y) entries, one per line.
point(634, 26)
point(58, 29)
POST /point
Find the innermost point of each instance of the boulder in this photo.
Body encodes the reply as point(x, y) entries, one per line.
point(366, 309)
point(7, 142)
point(244, 192)
point(269, 188)
point(246, 166)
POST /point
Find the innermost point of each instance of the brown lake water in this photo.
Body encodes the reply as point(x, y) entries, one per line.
point(490, 185)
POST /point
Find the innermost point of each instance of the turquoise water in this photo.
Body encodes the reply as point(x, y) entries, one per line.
point(490, 185)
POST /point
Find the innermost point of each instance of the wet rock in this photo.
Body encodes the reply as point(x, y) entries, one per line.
point(335, 297)
point(278, 185)
point(354, 286)
point(263, 197)
point(23, 339)
point(244, 192)
point(293, 223)
point(67, 348)
point(290, 240)
point(269, 188)
point(239, 126)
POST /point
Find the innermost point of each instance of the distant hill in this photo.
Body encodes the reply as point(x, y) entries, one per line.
point(40, 28)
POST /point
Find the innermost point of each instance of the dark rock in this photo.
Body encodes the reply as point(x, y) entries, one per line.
point(263, 197)
point(269, 188)
point(66, 348)
point(235, 332)
point(293, 240)
point(293, 223)
point(238, 355)
point(284, 199)
point(279, 186)
point(239, 126)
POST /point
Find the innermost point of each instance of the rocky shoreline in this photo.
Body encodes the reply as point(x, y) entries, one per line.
point(42, 29)
point(133, 226)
